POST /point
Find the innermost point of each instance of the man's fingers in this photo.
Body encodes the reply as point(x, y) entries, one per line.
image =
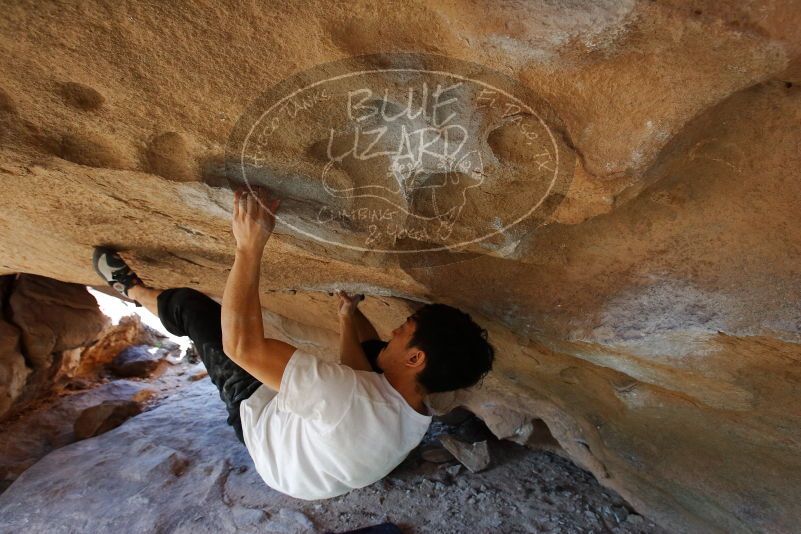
point(353, 299)
point(269, 202)
point(251, 205)
point(237, 195)
point(260, 193)
point(266, 200)
point(243, 203)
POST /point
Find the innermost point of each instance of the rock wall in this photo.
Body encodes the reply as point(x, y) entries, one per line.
point(43, 320)
point(652, 323)
point(13, 371)
point(82, 393)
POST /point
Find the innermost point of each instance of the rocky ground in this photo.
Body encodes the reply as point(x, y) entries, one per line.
point(49, 422)
point(177, 467)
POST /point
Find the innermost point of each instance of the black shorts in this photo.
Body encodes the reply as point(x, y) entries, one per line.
point(188, 312)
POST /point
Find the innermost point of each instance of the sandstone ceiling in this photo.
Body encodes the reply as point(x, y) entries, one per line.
point(653, 323)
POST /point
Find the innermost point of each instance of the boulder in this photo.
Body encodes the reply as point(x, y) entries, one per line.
point(13, 371)
point(44, 324)
point(140, 361)
point(103, 417)
point(474, 456)
point(114, 339)
point(53, 316)
point(198, 375)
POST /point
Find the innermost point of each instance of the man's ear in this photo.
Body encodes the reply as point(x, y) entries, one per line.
point(417, 358)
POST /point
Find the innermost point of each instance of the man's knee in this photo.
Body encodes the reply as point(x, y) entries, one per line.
point(180, 296)
point(181, 306)
point(185, 298)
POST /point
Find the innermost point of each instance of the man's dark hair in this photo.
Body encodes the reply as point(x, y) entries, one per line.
point(458, 354)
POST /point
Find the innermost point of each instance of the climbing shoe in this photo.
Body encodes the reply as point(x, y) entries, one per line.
point(113, 269)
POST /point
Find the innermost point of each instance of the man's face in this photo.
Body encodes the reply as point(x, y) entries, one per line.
point(397, 348)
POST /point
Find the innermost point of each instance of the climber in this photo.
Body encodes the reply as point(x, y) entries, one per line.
point(315, 429)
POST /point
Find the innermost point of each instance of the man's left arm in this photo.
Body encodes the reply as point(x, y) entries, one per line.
point(242, 328)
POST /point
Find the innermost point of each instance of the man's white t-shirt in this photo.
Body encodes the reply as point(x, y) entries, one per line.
point(329, 429)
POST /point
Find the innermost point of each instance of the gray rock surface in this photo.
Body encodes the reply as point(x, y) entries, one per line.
point(102, 417)
point(165, 470)
point(141, 361)
point(27, 438)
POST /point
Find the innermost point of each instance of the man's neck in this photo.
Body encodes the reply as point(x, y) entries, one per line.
point(409, 391)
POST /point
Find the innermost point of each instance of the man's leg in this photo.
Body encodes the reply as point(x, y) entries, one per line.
point(185, 312)
point(147, 297)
